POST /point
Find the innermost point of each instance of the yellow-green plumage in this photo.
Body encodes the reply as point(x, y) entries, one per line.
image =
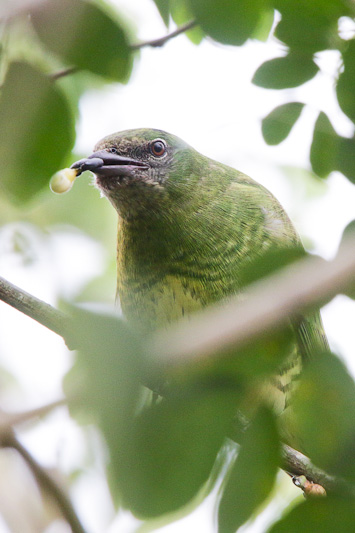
point(187, 227)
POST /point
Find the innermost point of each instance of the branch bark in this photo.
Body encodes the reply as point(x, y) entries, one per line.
point(35, 308)
point(62, 73)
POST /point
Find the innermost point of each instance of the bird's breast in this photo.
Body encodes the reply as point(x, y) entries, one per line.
point(160, 300)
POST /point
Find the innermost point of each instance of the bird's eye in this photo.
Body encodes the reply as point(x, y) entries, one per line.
point(113, 150)
point(158, 148)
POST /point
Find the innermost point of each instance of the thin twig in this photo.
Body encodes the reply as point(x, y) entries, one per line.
point(267, 305)
point(162, 40)
point(62, 73)
point(31, 306)
point(9, 420)
point(153, 43)
point(47, 483)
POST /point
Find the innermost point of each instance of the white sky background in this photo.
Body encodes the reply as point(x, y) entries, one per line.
point(202, 94)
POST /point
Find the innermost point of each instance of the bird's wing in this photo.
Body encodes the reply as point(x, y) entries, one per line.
point(310, 335)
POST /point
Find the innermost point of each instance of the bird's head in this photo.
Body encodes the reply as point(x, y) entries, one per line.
point(138, 169)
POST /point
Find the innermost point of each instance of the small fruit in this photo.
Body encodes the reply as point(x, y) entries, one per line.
point(63, 180)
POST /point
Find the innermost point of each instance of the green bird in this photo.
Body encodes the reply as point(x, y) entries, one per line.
point(187, 228)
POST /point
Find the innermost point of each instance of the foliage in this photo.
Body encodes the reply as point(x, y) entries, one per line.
point(161, 455)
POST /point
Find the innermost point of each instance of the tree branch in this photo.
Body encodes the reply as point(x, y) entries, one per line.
point(268, 304)
point(9, 420)
point(62, 73)
point(162, 40)
point(297, 464)
point(46, 482)
point(31, 306)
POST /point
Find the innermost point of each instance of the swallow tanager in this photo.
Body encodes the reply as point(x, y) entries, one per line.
point(187, 227)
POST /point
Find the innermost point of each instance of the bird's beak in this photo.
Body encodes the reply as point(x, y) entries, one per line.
point(103, 163)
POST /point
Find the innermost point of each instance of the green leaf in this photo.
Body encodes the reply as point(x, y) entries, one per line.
point(270, 262)
point(283, 72)
point(345, 158)
point(167, 454)
point(278, 124)
point(38, 130)
point(264, 27)
point(229, 22)
point(324, 147)
point(324, 414)
point(84, 36)
point(346, 82)
point(310, 26)
point(104, 384)
point(163, 7)
point(325, 515)
point(253, 475)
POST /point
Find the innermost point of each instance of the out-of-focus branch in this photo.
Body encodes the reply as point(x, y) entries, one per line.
point(162, 40)
point(266, 305)
point(31, 306)
point(62, 73)
point(46, 482)
point(9, 420)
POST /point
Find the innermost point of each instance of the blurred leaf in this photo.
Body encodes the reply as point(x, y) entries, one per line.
point(167, 453)
point(283, 72)
point(39, 130)
point(345, 161)
point(163, 7)
point(324, 414)
point(262, 356)
point(264, 27)
point(310, 26)
point(325, 515)
point(278, 124)
point(346, 82)
point(324, 146)
point(104, 384)
point(269, 262)
point(84, 36)
point(229, 22)
point(253, 475)
point(330, 151)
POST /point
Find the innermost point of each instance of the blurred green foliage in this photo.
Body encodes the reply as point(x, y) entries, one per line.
point(278, 124)
point(162, 454)
point(325, 515)
point(253, 475)
point(30, 102)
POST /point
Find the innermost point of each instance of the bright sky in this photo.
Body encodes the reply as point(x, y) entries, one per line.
point(202, 94)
